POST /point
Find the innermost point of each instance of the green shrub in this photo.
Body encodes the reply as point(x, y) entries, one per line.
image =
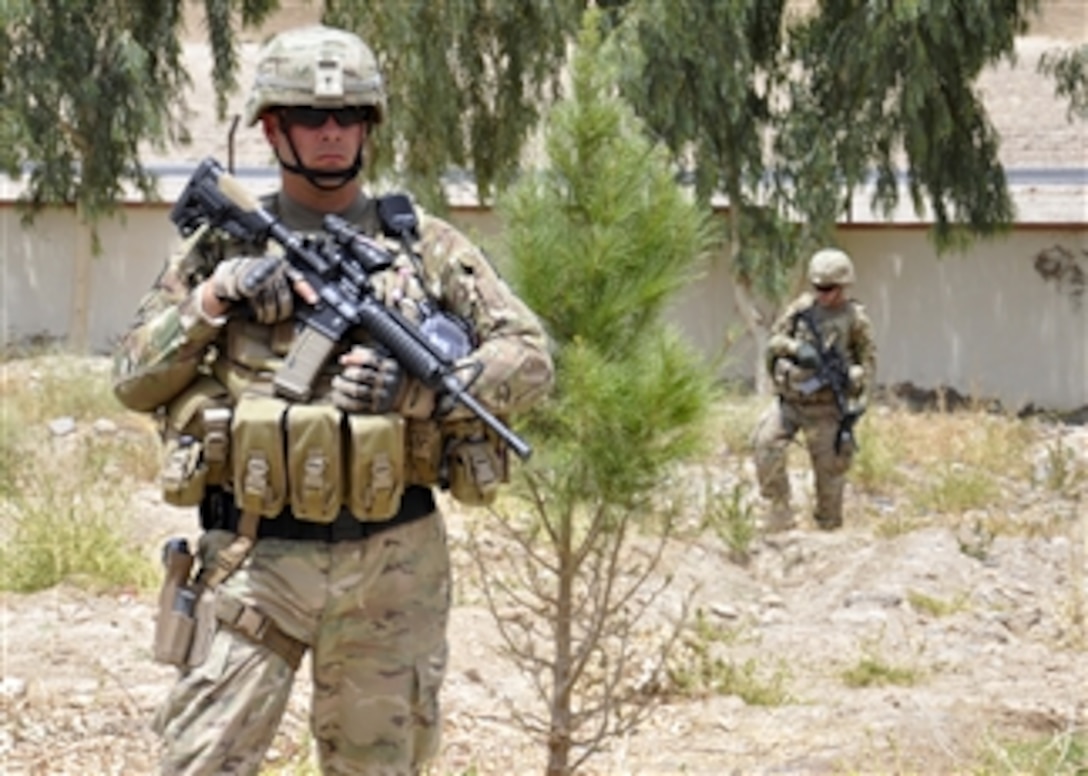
point(56, 536)
point(870, 671)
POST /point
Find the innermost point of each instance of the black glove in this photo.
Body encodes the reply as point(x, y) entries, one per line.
point(806, 356)
point(260, 280)
point(373, 383)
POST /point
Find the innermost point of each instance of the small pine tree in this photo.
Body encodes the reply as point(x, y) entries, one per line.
point(599, 243)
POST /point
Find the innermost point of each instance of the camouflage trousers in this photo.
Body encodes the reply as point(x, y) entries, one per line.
point(374, 613)
point(819, 424)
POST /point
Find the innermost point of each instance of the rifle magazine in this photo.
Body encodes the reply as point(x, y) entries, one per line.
point(308, 354)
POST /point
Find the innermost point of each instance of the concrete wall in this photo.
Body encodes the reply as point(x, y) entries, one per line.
point(986, 322)
point(51, 285)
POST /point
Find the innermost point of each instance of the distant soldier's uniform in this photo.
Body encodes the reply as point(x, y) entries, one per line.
point(350, 560)
point(804, 405)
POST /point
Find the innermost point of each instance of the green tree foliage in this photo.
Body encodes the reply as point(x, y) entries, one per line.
point(889, 86)
point(467, 81)
point(1069, 69)
point(599, 242)
point(789, 116)
point(703, 76)
point(84, 83)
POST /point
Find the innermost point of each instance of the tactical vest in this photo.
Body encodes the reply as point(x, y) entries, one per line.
point(230, 429)
point(835, 326)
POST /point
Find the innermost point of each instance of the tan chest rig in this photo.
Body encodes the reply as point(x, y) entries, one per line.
point(835, 327)
point(230, 429)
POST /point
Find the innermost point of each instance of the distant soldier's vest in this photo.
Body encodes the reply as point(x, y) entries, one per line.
point(835, 326)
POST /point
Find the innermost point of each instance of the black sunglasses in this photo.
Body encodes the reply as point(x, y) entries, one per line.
point(312, 118)
point(825, 289)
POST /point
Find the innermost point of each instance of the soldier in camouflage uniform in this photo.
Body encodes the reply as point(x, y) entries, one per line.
point(807, 405)
point(343, 553)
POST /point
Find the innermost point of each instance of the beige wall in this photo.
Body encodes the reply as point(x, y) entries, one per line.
point(985, 322)
point(40, 266)
point(1064, 19)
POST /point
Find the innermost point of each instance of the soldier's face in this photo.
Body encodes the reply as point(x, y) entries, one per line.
point(319, 139)
point(828, 296)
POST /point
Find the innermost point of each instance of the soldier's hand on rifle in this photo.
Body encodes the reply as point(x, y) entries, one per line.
point(373, 383)
point(267, 283)
point(806, 355)
point(856, 408)
point(855, 379)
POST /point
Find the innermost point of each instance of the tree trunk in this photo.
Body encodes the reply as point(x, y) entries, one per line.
point(79, 327)
point(749, 312)
point(559, 738)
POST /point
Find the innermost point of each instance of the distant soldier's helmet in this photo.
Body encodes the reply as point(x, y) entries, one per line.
point(319, 67)
point(830, 267)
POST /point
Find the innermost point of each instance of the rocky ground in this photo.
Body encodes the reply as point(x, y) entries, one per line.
point(1007, 662)
point(965, 648)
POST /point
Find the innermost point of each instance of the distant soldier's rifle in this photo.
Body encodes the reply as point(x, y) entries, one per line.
point(832, 373)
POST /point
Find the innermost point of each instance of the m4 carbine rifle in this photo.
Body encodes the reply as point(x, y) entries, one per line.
point(833, 373)
point(339, 274)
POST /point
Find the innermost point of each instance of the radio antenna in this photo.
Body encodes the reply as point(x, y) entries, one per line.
point(230, 142)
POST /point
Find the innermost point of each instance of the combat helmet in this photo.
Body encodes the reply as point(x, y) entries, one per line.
point(316, 66)
point(830, 267)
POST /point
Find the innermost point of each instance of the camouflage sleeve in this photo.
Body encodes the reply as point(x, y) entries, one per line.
point(782, 342)
point(160, 353)
point(863, 349)
point(512, 345)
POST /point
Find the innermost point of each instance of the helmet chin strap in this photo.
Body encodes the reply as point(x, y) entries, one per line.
point(326, 180)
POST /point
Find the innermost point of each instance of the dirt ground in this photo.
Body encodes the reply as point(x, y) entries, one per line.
point(1002, 658)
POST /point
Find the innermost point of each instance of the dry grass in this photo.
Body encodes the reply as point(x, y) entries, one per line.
point(65, 513)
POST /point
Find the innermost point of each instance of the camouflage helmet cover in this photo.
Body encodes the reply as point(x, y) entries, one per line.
point(315, 66)
point(830, 267)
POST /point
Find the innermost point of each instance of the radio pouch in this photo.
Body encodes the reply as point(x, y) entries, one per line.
point(185, 462)
point(376, 465)
point(315, 461)
point(476, 464)
point(183, 475)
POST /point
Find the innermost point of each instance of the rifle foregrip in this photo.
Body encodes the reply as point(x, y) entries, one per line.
point(417, 359)
point(413, 356)
point(295, 379)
